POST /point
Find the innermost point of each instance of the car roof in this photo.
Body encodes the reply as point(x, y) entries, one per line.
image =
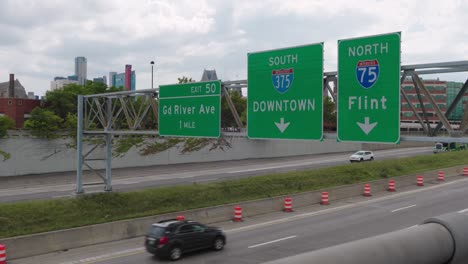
point(168, 222)
point(165, 224)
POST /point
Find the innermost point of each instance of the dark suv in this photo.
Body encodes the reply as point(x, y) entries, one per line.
point(171, 238)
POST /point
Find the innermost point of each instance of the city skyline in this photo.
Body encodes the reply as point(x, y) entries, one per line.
point(185, 37)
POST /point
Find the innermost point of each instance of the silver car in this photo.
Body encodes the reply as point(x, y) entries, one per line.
point(362, 155)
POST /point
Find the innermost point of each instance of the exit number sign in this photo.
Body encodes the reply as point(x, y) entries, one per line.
point(190, 109)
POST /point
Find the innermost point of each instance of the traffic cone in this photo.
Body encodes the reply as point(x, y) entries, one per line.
point(367, 190)
point(391, 186)
point(2, 254)
point(324, 198)
point(440, 176)
point(287, 204)
point(237, 214)
point(465, 171)
point(180, 217)
point(420, 181)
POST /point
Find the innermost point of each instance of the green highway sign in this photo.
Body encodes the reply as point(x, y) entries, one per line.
point(190, 109)
point(369, 89)
point(284, 99)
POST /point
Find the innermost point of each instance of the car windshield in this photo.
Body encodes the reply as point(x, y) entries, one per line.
point(359, 153)
point(156, 231)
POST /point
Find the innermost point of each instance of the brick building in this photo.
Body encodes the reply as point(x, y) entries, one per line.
point(438, 90)
point(15, 103)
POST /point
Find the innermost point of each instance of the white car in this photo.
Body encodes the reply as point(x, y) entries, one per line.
point(362, 155)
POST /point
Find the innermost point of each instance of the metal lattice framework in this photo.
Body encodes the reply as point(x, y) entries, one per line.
point(136, 113)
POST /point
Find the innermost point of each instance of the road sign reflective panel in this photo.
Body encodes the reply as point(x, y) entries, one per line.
point(190, 109)
point(284, 99)
point(369, 89)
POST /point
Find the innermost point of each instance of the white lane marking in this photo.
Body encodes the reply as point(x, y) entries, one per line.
point(265, 168)
point(338, 158)
point(62, 196)
point(273, 241)
point(403, 208)
point(463, 211)
point(107, 256)
point(301, 216)
point(286, 165)
point(47, 188)
point(214, 179)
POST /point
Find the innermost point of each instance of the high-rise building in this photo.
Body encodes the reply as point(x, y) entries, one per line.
point(81, 69)
point(102, 79)
point(133, 81)
point(112, 79)
point(119, 80)
point(60, 82)
point(125, 80)
point(128, 77)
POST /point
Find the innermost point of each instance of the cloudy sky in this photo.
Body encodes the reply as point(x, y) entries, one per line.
point(40, 38)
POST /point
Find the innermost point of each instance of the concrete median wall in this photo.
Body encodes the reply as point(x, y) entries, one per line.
point(25, 246)
point(35, 156)
point(403, 144)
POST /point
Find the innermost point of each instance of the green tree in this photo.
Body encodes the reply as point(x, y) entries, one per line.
point(329, 113)
point(240, 103)
point(71, 123)
point(65, 100)
point(43, 123)
point(184, 79)
point(5, 123)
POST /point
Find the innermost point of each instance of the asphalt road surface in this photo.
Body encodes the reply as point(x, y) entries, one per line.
point(59, 185)
point(278, 235)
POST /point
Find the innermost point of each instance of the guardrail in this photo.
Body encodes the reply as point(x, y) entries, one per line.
point(438, 240)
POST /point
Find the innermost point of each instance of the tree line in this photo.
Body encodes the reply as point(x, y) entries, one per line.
point(59, 112)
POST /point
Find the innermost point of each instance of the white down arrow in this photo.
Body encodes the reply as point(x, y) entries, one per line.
point(282, 126)
point(366, 126)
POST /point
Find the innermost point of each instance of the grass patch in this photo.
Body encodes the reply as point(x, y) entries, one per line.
point(24, 218)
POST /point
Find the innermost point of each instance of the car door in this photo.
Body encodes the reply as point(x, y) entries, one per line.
point(367, 155)
point(204, 237)
point(188, 237)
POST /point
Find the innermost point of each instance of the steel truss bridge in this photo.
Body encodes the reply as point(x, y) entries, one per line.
point(136, 113)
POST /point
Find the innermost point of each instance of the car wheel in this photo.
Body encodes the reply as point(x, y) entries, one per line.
point(371, 158)
point(175, 253)
point(360, 160)
point(218, 243)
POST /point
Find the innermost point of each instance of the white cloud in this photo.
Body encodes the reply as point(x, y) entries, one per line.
point(41, 38)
